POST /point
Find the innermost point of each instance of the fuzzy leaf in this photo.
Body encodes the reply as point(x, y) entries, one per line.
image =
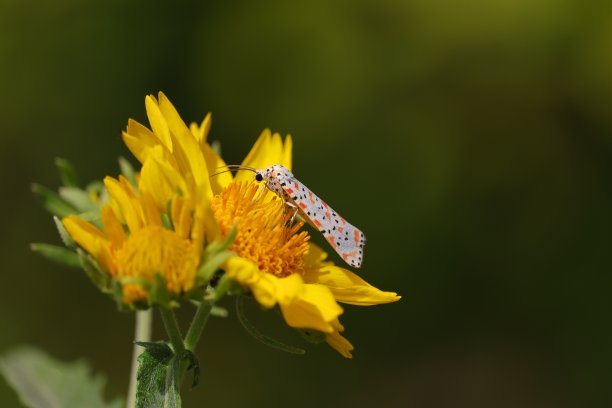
point(41, 381)
point(157, 386)
point(67, 172)
point(57, 254)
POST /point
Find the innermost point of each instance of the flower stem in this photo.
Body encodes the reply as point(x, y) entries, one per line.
point(142, 332)
point(197, 325)
point(171, 325)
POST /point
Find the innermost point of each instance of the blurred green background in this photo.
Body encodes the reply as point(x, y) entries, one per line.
point(471, 140)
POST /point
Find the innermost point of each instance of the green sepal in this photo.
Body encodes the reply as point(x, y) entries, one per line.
point(257, 335)
point(219, 311)
point(128, 171)
point(312, 336)
point(57, 254)
point(215, 254)
point(158, 293)
point(210, 265)
point(98, 277)
point(78, 198)
point(67, 172)
point(156, 378)
point(96, 188)
point(194, 364)
point(52, 202)
point(167, 222)
point(65, 237)
point(216, 147)
point(218, 246)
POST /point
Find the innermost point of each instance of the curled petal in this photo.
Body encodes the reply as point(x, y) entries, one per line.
point(346, 286)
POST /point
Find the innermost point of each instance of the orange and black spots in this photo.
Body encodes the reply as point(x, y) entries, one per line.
point(302, 205)
point(328, 215)
point(312, 201)
point(317, 223)
point(289, 191)
point(357, 236)
point(330, 239)
point(347, 255)
point(297, 185)
point(340, 229)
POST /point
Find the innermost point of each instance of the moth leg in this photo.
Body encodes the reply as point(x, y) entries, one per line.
point(260, 191)
point(291, 211)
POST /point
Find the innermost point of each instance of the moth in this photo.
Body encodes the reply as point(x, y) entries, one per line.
point(346, 239)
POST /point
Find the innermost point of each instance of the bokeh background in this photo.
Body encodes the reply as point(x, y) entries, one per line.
point(471, 140)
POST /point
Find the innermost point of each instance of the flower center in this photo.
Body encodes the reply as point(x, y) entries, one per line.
point(151, 250)
point(264, 235)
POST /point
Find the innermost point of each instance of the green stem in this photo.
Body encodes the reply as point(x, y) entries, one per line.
point(142, 332)
point(197, 325)
point(171, 325)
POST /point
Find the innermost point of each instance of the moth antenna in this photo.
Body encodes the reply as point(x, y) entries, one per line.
point(233, 167)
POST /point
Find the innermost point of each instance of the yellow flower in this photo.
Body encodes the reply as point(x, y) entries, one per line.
point(274, 260)
point(133, 244)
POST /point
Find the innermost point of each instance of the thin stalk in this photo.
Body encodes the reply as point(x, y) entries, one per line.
point(197, 325)
point(172, 329)
point(142, 332)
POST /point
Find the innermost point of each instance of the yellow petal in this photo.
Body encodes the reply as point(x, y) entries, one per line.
point(313, 308)
point(267, 150)
point(112, 227)
point(160, 179)
point(128, 206)
point(339, 343)
point(246, 273)
point(201, 132)
point(346, 286)
point(91, 239)
point(171, 116)
point(139, 140)
point(181, 216)
point(158, 122)
point(191, 161)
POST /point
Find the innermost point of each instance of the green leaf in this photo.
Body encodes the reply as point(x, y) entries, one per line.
point(66, 238)
point(67, 172)
point(57, 254)
point(41, 381)
point(257, 335)
point(78, 198)
point(98, 277)
point(159, 376)
point(52, 202)
point(128, 171)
